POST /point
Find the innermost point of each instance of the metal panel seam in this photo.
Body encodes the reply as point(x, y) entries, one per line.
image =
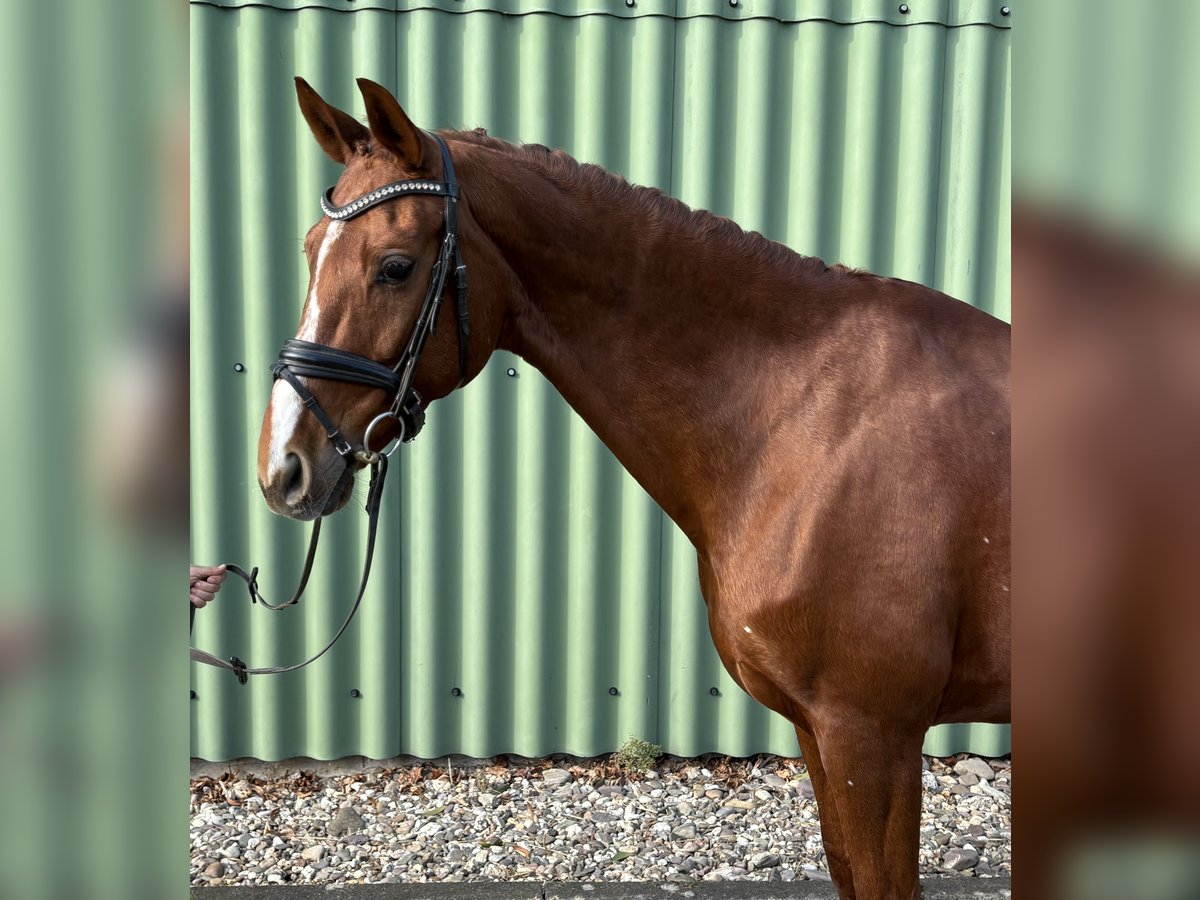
point(676, 16)
point(663, 521)
point(255, 4)
point(935, 274)
point(846, 22)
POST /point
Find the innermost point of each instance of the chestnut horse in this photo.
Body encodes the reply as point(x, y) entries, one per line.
point(834, 443)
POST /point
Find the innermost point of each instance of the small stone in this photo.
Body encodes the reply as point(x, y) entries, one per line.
point(764, 861)
point(774, 780)
point(969, 779)
point(959, 858)
point(215, 870)
point(726, 873)
point(804, 789)
point(739, 804)
point(683, 832)
point(313, 854)
point(973, 765)
point(344, 821)
point(555, 777)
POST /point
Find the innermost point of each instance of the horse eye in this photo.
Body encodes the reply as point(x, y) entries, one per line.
point(394, 270)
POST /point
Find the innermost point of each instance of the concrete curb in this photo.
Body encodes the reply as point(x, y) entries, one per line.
point(934, 888)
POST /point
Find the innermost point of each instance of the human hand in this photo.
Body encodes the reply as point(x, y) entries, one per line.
point(205, 582)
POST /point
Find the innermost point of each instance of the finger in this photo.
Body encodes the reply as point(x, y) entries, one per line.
point(203, 592)
point(198, 602)
point(205, 571)
point(216, 579)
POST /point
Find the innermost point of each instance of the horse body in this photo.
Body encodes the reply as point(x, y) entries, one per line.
point(834, 444)
point(819, 434)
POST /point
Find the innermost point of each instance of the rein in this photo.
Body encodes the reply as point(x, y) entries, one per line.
point(305, 359)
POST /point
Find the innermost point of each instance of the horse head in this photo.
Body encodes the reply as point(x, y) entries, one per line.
point(384, 325)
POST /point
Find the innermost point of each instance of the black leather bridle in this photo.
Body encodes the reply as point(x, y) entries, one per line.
point(305, 359)
point(320, 361)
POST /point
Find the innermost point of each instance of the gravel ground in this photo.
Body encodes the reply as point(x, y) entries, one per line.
point(712, 819)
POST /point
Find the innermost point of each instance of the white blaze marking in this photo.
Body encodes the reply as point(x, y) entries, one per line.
point(285, 403)
point(986, 541)
point(746, 628)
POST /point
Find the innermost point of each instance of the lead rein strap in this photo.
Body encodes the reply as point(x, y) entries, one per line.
point(241, 669)
point(251, 577)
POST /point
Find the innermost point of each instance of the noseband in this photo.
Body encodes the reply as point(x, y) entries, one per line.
point(305, 359)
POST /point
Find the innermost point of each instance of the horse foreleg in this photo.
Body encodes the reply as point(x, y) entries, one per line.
point(873, 775)
point(831, 831)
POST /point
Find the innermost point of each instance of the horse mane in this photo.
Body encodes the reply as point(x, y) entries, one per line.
point(653, 205)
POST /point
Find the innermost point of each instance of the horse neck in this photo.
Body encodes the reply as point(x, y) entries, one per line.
point(644, 323)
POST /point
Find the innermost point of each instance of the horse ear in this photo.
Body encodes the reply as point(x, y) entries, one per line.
point(391, 125)
point(339, 134)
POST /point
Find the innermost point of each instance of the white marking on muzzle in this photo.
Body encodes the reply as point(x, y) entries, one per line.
point(286, 407)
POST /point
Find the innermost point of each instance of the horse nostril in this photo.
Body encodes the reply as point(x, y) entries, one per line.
point(293, 478)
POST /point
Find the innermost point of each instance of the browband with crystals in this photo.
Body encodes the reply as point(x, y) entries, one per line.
point(387, 192)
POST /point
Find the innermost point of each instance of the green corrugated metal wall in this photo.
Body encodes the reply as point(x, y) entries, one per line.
point(545, 576)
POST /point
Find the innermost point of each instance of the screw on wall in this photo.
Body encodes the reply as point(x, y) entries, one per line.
point(629, 3)
point(1004, 10)
point(193, 693)
point(355, 693)
point(238, 367)
point(613, 691)
point(456, 692)
point(733, 2)
point(904, 9)
point(512, 373)
point(716, 692)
